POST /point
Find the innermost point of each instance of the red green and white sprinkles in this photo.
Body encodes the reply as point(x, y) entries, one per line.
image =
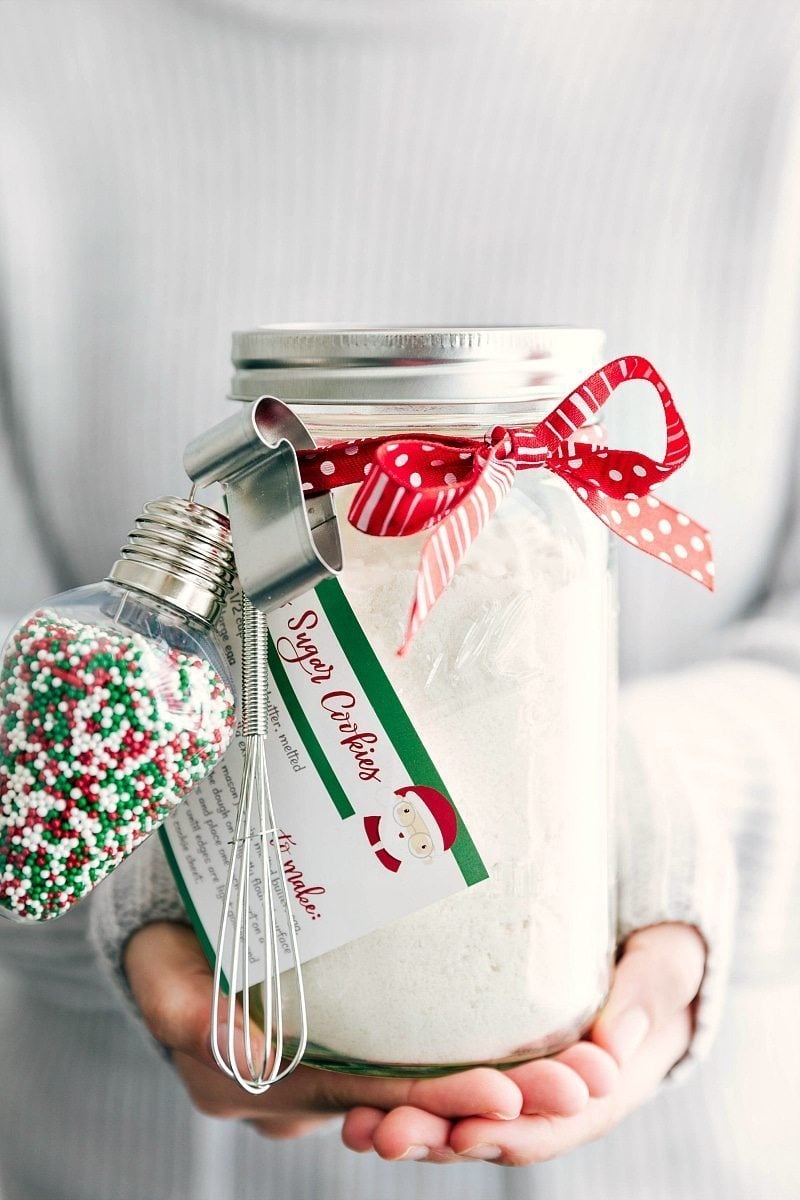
point(101, 734)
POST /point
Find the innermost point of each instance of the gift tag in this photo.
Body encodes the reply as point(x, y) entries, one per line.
point(366, 829)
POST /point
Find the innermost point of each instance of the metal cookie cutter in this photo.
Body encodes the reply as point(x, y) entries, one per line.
point(284, 543)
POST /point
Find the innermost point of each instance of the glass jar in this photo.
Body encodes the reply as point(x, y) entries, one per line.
point(510, 683)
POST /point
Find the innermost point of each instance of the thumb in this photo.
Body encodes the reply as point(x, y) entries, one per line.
point(171, 983)
point(658, 976)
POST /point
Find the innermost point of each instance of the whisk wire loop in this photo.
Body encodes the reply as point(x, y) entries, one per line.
point(238, 959)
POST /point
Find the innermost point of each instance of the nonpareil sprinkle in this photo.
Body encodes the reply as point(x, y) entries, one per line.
point(102, 732)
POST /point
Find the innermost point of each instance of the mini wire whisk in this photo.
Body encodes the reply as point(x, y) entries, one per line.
point(242, 957)
point(285, 543)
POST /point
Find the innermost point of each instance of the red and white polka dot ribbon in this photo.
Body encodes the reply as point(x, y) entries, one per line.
point(453, 485)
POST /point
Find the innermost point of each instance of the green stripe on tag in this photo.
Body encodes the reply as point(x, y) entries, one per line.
point(188, 904)
point(315, 752)
point(393, 716)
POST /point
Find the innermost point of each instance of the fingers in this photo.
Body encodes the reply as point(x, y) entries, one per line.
point(481, 1090)
point(560, 1087)
point(410, 1133)
point(581, 1093)
point(359, 1128)
point(659, 975)
point(551, 1087)
point(532, 1139)
point(171, 983)
point(405, 1133)
point(595, 1066)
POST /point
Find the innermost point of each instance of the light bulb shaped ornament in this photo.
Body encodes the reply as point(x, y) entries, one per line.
point(115, 700)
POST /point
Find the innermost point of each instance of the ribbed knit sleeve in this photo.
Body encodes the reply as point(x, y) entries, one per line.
point(721, 742)
point(674, 863)
point(714, 758)
point(141, 890)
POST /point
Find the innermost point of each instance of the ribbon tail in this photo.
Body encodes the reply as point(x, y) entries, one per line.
point(652, 525)
point(616, 484)
point(446, 547)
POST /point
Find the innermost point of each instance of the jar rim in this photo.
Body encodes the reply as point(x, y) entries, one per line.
point(309, 345)
point(421, 376)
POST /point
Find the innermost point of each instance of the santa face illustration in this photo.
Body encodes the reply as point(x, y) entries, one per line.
point(423, 824)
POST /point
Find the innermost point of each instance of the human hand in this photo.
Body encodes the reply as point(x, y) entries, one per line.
point(644, 1029)
point(171, 982)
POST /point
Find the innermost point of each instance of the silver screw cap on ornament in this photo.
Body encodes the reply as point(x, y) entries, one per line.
point(182, 553)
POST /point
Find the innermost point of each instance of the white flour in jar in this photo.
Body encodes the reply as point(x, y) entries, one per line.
point(507, 684)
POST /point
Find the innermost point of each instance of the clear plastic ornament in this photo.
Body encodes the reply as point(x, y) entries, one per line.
point(115, 700)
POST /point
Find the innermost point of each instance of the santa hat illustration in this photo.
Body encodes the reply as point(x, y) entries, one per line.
point(436, 811)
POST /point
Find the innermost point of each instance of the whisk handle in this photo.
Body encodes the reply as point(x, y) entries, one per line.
point(255, 670)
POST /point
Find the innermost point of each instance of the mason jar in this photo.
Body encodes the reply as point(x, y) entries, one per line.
point(510, 683)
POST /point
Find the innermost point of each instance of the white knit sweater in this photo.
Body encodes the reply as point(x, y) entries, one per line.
point(172, 170)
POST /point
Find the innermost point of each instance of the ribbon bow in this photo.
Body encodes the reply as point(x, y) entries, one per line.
point(453, 485)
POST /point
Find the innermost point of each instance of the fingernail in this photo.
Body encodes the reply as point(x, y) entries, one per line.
point(627, 1033)
point(502, 1116)
point(415, 1153)
point(485, 1153)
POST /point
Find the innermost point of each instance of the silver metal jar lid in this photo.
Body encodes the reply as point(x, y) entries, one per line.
point(499, 373)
